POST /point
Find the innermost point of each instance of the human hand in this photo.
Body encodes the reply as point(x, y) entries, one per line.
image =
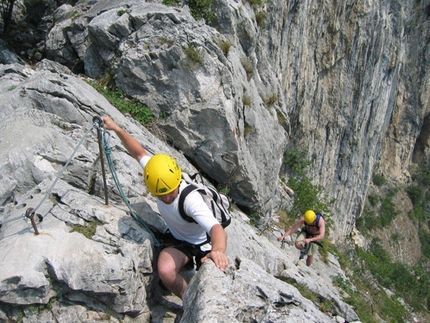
point(218, 257)
point(109, 124)
point(280, 238)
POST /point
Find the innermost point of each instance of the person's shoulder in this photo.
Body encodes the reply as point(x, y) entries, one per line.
point(191, 194)
point(144, 160)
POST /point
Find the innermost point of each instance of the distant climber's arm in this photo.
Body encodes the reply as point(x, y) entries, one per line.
point(321, 235)
point(293, 229)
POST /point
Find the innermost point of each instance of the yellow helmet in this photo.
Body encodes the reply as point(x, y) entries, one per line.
point(310, 216)
point(162, 175)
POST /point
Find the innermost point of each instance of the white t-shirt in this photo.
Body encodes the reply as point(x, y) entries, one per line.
point(195, 207)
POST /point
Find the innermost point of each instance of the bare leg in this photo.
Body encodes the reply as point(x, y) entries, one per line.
point(170, 263)
point(309, 260)
point(300, 245)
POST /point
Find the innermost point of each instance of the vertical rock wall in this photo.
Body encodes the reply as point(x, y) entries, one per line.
point(355, 85)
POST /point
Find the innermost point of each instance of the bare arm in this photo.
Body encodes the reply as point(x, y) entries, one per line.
point(321, 226)
point(293, 229)
point(132, 145)
point(219, 245)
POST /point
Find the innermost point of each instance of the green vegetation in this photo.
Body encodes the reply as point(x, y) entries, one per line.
point(425, 242)
point(380, 210)
point(194, 55)
point(246, 100)
point(225, 47)
point(281, 117)
point(20, 311)
point(173, 3)
point(256, 2)
point(270, 100)
point(297, 161)
point(408, 283)
point(370, 273)
point(260, 17)
point(223, 189)
point(247, 130)
point(368, 301)
point(122, 102)
point(121, 12)
point(373, 199)
point(199, 8)
point(284, 220)
point(398, 277)
point(379, 180)
point(164, 40)
point(419, 192)
point(202, 9)
point(6, 14)
point(379, 213)
point(307, 195)
point(88, 230)
point(249, 68)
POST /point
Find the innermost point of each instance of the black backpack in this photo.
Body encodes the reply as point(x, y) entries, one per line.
point(217, 202)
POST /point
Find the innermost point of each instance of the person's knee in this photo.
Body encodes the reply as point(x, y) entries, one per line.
point(299, 245)
point(166, 269)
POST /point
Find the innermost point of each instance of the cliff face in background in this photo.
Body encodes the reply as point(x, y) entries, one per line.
point(356, 81)
point(349, 80)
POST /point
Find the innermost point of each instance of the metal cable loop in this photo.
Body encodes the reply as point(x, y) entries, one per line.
point(62, 170)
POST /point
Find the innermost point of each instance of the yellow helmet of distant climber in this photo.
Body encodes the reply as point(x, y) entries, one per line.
point(162, 175)
point(310, 216)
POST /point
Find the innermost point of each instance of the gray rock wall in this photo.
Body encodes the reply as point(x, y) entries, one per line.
point(347, 71)
point(343, 80)
point(50, 163)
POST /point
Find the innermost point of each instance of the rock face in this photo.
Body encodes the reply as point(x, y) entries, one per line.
point(328, 78)
point(347, 81)
point(50, 163)
point(175, 65)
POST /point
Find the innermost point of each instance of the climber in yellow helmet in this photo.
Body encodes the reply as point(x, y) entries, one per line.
point(312, 232)
point(162, 176)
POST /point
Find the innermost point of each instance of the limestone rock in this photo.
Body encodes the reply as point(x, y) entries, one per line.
point(92, 261)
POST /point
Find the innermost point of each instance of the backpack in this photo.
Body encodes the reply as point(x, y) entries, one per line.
point(318, 219)
point(217, 202)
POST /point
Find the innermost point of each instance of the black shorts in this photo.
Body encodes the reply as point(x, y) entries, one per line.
point(193, 252)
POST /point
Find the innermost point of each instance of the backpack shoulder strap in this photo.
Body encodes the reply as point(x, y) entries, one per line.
point(182, 195)
point(319, 216)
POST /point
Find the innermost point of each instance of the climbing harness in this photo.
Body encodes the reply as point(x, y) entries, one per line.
point(103, 140)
